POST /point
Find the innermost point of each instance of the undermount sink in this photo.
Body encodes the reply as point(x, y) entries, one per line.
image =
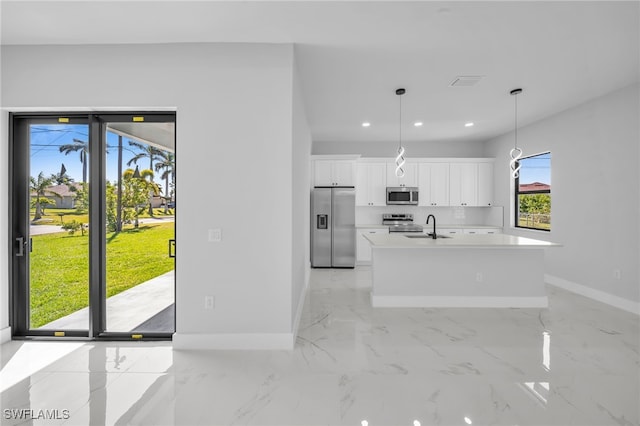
point(427, 236)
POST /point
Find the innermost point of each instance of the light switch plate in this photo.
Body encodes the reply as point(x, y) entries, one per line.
point(215, 235)
point(209, 302)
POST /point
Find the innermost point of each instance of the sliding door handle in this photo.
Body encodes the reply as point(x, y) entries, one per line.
point(172, 248)
point(21, 245)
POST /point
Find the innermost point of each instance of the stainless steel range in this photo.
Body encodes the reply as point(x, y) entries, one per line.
point(400, 222)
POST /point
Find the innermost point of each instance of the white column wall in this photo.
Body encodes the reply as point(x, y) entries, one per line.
point(301, 206)
point(594, 191)
point(234, 166)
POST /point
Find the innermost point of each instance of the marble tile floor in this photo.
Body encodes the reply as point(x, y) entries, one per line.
point(575, 363)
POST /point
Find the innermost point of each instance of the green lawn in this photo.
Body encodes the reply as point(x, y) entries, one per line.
point(59, 267)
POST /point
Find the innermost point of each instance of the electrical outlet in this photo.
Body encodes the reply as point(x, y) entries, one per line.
point(616, 274)
point(215, 235)
point(209, 302)
point(479, 277)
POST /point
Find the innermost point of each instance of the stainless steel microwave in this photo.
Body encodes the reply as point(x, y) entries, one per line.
point(405, 195)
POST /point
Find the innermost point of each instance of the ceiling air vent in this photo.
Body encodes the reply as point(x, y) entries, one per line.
point(466, 80)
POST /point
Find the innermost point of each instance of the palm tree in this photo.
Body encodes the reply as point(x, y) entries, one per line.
point(146, 151)
point(76, 146)
point(136, 190)
point(61, 179)
point(167, 163)
point(39, 185)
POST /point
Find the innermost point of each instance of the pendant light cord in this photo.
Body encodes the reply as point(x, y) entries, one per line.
point(400, 127)
point(516, 152)
point(400, 154)
point(515, 143)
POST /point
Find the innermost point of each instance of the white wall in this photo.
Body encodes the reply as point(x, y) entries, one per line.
point(234, 166)
point(413, 149)
point(301, 181)
point(595, 193)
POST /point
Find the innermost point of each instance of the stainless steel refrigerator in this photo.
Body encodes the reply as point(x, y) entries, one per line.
point(333, 227)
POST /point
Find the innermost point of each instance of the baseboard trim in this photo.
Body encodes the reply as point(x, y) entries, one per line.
point(5, 335)
point(233, 341)
point(591, 293)
point(458, 302)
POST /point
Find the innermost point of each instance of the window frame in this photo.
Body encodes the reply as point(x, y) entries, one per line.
point(517, 193)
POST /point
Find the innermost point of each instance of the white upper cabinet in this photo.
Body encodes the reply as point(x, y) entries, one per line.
point(334, 173)
point(433, 184)
point(485, 184)
point(323, 175)
point(463, 184)
point(371, 184)
point(410, 177)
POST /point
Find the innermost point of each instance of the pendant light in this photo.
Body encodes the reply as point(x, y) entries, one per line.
point(400, 152)
point(516, 152)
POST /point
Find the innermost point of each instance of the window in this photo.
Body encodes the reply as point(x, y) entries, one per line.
point(533, 193)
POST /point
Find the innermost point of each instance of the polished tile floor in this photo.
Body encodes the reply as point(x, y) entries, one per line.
point(575, 363)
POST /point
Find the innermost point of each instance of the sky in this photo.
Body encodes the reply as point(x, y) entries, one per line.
point(536, 169)
point(46, 156)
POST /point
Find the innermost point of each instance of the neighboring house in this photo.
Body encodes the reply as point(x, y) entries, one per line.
point(65, 196)
point(534, 187)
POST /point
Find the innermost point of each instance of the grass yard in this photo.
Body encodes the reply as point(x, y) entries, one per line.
point(60, 267)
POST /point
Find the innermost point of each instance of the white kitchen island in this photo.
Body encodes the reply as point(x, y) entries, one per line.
point(496, 270)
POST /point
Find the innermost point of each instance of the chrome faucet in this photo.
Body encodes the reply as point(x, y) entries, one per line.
point(434, 236)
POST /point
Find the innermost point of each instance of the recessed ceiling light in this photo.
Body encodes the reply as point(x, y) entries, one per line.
point(418, 123)
point(366, 124)
point(469, 124)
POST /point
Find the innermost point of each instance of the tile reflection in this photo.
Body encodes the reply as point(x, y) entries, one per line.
point(538, 389)
point(26, 358)
point(546, 354)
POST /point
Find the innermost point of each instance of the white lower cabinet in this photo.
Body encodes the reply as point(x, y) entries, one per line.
point(444, 231)
point(465, 231)
point(482, 231)
point(363, 248)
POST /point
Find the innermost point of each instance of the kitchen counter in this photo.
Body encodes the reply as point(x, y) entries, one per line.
point(457, 241)
point(471, 271)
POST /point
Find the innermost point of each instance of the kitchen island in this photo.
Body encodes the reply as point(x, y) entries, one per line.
point(496, 270)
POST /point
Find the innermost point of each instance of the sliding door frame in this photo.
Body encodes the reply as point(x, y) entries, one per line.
point(19, 199)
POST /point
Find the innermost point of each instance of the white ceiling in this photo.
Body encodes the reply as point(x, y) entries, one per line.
point(353, 55)
point(159, 135)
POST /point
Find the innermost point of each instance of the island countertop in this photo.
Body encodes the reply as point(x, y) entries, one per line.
point(488, 241)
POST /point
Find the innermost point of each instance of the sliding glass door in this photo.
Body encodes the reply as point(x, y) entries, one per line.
point(140, 211)
point(51, 221)
point(92, 225)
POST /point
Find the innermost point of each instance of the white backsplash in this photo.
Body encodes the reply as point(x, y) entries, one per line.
point(490, 216)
